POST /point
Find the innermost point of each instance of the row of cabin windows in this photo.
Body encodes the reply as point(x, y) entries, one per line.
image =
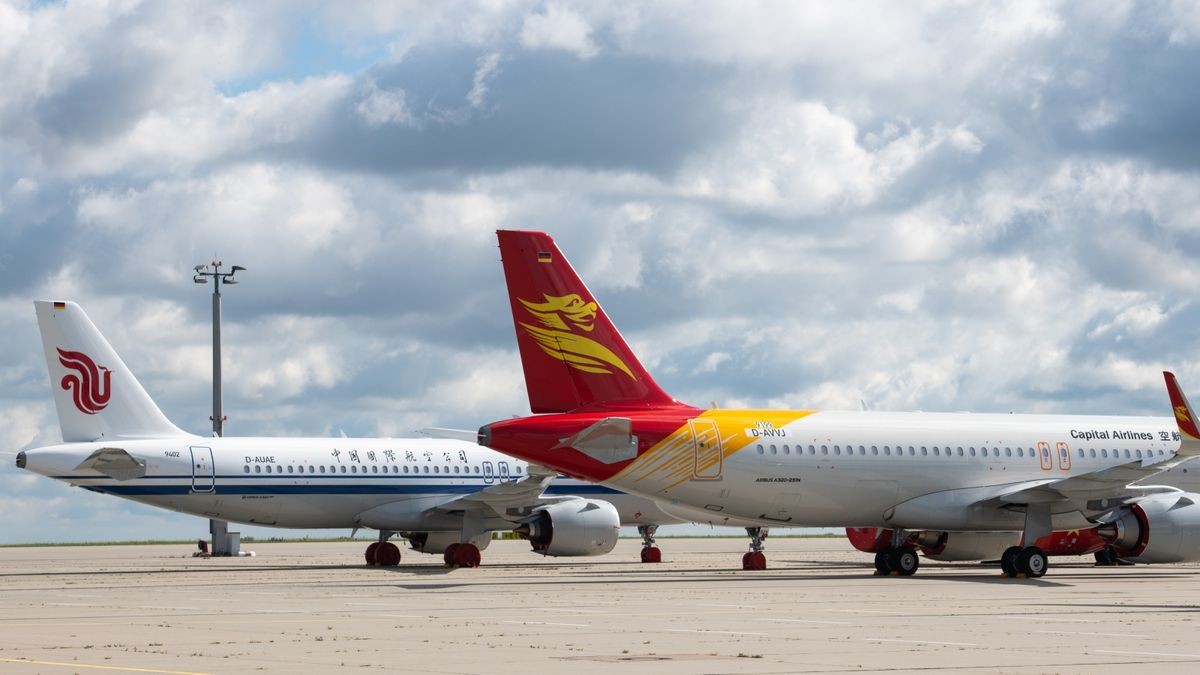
point(374, 469)
point(938, 451)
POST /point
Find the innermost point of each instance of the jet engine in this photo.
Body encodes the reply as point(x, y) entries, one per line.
point(1159, 529)
point(435, 543)
point(577, 527)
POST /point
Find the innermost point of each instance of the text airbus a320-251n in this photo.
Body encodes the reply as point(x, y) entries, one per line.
point(601, 417)
point(445, 496)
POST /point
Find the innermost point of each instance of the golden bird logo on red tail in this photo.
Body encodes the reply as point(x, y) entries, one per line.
point(560, 317)
point(1181, 414)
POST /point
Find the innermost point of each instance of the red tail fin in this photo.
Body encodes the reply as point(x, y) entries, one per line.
point(572, 354)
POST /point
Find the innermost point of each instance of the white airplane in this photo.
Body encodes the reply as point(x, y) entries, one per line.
point(602, 417)
point(444, 496)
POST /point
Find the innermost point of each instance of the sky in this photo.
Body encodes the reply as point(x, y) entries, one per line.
point(924, 206)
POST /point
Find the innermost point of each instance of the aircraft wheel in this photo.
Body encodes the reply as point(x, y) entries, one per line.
point(1032, 561)
point(1106, 557)
point(467, 555)
point(388, 555)
point(904, 560)
point(882, 566)
point(448, 554)
point(371, 552)
point(754, 560)
point(1008, 560)
point(651, 554)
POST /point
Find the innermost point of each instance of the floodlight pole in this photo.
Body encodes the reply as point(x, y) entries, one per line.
point(219, 529)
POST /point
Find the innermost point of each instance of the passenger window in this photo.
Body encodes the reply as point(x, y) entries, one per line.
point(911, 451)
point(875, 450)
point(837, 450)
point(257, 468)
point(774, 450)
point(343, 468)
point(812, 449)
point(1126, 453)
point(960, 451)
point(1139, 454)
point(1080, 453)
point(824, 449)
point(1104, 453)
point(424, 469)
point(247, 468)
point(759, 448)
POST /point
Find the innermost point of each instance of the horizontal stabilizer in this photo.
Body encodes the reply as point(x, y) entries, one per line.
point(469, 435)
point(114, 463)
point(610, 440)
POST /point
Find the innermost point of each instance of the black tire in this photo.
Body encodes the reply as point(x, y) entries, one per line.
point(904, 560)
point(1032, 562)
point(1008, 560)
point(881, 562)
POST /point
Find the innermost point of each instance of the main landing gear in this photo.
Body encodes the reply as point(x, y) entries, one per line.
point(462, 555)
point(650, 552)
point(383, 552)
point(1028, 561)
point(900, 561)
point(755, 559)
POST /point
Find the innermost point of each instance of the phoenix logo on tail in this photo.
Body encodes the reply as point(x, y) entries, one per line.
point(555, 336)
point(88, 388)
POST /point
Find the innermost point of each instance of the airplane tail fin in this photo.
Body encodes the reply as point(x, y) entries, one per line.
point(572, 355)
point(95, 394)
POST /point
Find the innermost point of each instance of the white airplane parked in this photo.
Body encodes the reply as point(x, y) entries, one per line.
point(444, 496)
point(928, 474)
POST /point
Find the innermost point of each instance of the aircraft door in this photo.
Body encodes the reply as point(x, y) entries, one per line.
point(1064, 456)
point(1044, 456)
point(502, 469)
point(489, 473)
point(203, 471)
point(708, 457)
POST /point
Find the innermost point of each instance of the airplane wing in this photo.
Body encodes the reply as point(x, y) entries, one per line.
point(508, 500)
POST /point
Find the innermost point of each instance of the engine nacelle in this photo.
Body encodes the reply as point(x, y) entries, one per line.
point(869, 539)
point(1159, 529)
point(1071, 542)
point(576, 527)
point(435, 543)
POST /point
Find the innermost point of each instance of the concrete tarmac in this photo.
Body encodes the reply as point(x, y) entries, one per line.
point(313, 607)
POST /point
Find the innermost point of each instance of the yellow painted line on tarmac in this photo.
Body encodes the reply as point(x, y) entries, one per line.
point(127, 669)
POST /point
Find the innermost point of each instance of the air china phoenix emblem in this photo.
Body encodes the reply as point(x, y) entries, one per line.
point(562, 319)
point(1181, 414)
point(89, 384)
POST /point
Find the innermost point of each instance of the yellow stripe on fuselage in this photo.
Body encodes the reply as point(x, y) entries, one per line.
point(673, 460)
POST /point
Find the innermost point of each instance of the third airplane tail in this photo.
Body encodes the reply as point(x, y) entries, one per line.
point(572, 354)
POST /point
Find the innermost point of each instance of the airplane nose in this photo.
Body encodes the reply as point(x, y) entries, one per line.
point(21, 460)
point(485, 436)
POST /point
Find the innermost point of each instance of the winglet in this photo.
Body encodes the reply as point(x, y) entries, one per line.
point(1184, 417)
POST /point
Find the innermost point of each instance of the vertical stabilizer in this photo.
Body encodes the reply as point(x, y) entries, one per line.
point(95, 394)
point(572, 355)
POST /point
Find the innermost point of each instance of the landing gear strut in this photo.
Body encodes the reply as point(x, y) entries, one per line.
point(383, 552)
point(650, 552)
point(755, 559)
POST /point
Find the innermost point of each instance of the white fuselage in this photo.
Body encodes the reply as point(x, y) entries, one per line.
point(908, 470)
point(314, 483)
